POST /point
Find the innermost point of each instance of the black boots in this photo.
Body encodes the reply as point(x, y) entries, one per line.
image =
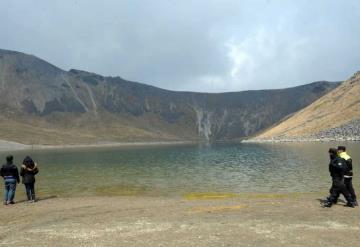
point(327, 204)
point(350, 204)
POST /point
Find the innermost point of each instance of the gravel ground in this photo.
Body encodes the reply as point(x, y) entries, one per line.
point(349, 130)
point(270, 220)
point(346, 132)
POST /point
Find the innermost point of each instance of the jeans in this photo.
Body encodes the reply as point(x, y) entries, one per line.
point(30, 191)
point(10, 187)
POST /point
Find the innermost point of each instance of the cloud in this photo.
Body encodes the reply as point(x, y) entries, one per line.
point(213, 45)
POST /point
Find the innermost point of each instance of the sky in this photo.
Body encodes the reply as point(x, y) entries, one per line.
point(191, 45)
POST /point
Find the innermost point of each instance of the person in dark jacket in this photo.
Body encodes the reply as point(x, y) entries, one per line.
point(349, 173)
point(10, 173)
point(337, 169)
point(28, 171)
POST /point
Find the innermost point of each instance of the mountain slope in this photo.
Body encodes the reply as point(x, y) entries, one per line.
point(42, 104)
point(336, 115)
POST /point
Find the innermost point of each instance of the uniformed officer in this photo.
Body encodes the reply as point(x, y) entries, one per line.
point(349, 173)
point(337, 169)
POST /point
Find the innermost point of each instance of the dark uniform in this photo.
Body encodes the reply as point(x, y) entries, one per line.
point(348, 175)
point(337, 169)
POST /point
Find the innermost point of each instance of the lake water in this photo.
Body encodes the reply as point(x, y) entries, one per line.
point(179, 170)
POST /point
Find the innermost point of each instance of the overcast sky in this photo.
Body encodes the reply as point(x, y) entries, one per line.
point(196, 45)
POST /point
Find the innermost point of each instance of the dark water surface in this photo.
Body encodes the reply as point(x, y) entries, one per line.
point(178, 170)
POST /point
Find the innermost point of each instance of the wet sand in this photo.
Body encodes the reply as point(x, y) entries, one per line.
point(194, 220)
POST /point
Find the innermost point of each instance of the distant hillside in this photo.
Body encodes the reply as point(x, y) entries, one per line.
point(42, 104)
point(334, 116)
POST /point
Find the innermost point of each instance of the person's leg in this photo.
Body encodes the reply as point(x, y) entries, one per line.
point(348, 197)
point(6, 192)
point(336, 198)
point(350, 188)
point(12, 190)
point(28, 191)
point(334, 194)
point(32, 188)
point(338, 187)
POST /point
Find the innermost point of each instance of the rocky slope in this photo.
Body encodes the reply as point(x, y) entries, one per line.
point(335, 116)
point(42, 104)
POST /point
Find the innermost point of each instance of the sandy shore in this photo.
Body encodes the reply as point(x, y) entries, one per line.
point(12, 146)
point(9, 146)
point(242, 220)
point(112, 144)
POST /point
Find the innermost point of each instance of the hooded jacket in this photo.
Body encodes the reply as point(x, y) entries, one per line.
point(28, 174)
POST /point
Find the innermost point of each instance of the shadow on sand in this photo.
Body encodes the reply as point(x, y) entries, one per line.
point(39, 199)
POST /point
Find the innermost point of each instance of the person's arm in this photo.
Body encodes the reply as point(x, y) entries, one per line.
point(22, 170)
point(36, 169)
point(350, 164)
point(17, 175)
point(333, 167)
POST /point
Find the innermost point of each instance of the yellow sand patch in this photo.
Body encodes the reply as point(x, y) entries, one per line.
point(269, 195)
point(217, 208)
point(218, 195)
point(209, 196)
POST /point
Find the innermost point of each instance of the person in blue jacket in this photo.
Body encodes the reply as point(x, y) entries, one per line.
point(10, 173)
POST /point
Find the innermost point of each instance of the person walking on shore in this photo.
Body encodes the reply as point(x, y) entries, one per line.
point(349, 173)
point(337, 168)
point(10, 173)
point(28, 171)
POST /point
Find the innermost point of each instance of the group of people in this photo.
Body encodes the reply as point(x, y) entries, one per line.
point(340, 168)
point(10, 173)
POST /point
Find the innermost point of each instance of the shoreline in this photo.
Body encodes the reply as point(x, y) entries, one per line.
point(301, 140)
point(15, 146)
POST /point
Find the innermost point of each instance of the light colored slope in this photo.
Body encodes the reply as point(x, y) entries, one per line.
point(72, 129)
point(332, 110)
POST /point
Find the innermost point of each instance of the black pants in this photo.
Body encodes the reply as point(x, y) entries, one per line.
point(30, 191)
point(350, 188)
point(338, 187)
